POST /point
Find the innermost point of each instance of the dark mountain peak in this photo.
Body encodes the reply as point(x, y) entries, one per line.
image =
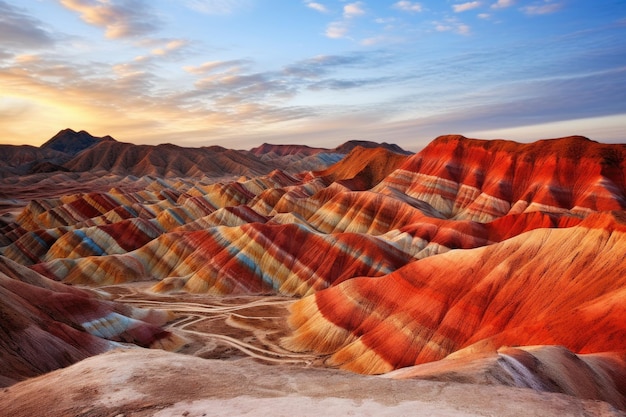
point(71, 142)
point(351, 144)
point(283, 150)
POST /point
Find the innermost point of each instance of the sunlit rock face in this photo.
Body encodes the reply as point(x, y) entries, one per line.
point(546, 286)
point(482, 180)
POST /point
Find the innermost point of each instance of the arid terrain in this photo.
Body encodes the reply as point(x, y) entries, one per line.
point(474, 278)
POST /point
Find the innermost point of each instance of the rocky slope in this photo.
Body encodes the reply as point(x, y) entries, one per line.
point(47, 325)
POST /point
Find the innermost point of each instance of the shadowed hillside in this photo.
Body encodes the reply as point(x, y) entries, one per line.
point(71, 142)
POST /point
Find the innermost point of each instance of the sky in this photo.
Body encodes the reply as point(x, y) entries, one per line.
point(239, 73)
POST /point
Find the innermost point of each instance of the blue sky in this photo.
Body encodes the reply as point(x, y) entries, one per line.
point(238, 73)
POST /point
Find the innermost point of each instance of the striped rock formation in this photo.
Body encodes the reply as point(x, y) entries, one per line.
point(482, 180)
point(546, 286)
point(468, 246)
point(47, 325)
point(271, 234)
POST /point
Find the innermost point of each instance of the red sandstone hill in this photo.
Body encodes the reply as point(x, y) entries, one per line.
point(546, 286)
point(483, 180)
point(363, 167)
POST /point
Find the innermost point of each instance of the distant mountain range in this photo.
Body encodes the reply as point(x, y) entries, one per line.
point(73, 151)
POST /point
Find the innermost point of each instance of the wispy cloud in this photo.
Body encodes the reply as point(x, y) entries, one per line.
point(60, 93)
point(316, 6)
point(353, 10)
point(540, 9)
point(160, 49)
point(17, 29)
point(452, 25)
point(381, 39)
point(408, 6)
point(337, 30)
point(211, 66)
point(219, 7)
point(321, 65)
point(502, 4)
point(458, 8)
point(347, 84)
point(170, 47)
point(119, 18)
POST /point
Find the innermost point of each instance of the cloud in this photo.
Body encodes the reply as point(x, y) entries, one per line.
point(345, 84)
point(452, 25)
point(58, 93)
point(339, 28)
point(211, 66)
point(542, 9)
point(376, 40)
point(321, 65)
point(501, 4)
point(119, 18)
point(219, 7)
point(161, 49)
point(385, 20)
point(353, 10)
point(336, 30)
point(519, 101)
point(18, 29)
point(170, 47)
point(316, 6)
point(458, 8)
point(408, 6)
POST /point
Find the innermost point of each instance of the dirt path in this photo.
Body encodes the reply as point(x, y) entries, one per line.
point(219, 327)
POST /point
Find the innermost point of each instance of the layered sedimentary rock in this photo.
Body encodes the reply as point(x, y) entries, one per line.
point(466, 248)
point(482, 180)
point(47, 325)
point(275, 233)
point(547, 286)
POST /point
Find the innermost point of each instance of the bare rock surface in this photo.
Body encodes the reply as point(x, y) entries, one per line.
point(141, 383)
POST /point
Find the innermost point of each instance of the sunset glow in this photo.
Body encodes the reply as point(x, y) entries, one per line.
point(238, 73)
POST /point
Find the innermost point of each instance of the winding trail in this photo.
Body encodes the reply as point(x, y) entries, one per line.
point(222, 327)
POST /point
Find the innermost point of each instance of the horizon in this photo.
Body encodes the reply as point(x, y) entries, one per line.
point(240, 73)
point(75, 131)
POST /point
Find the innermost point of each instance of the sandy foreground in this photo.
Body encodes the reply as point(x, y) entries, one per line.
point(140, 382)
point(233, 365)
